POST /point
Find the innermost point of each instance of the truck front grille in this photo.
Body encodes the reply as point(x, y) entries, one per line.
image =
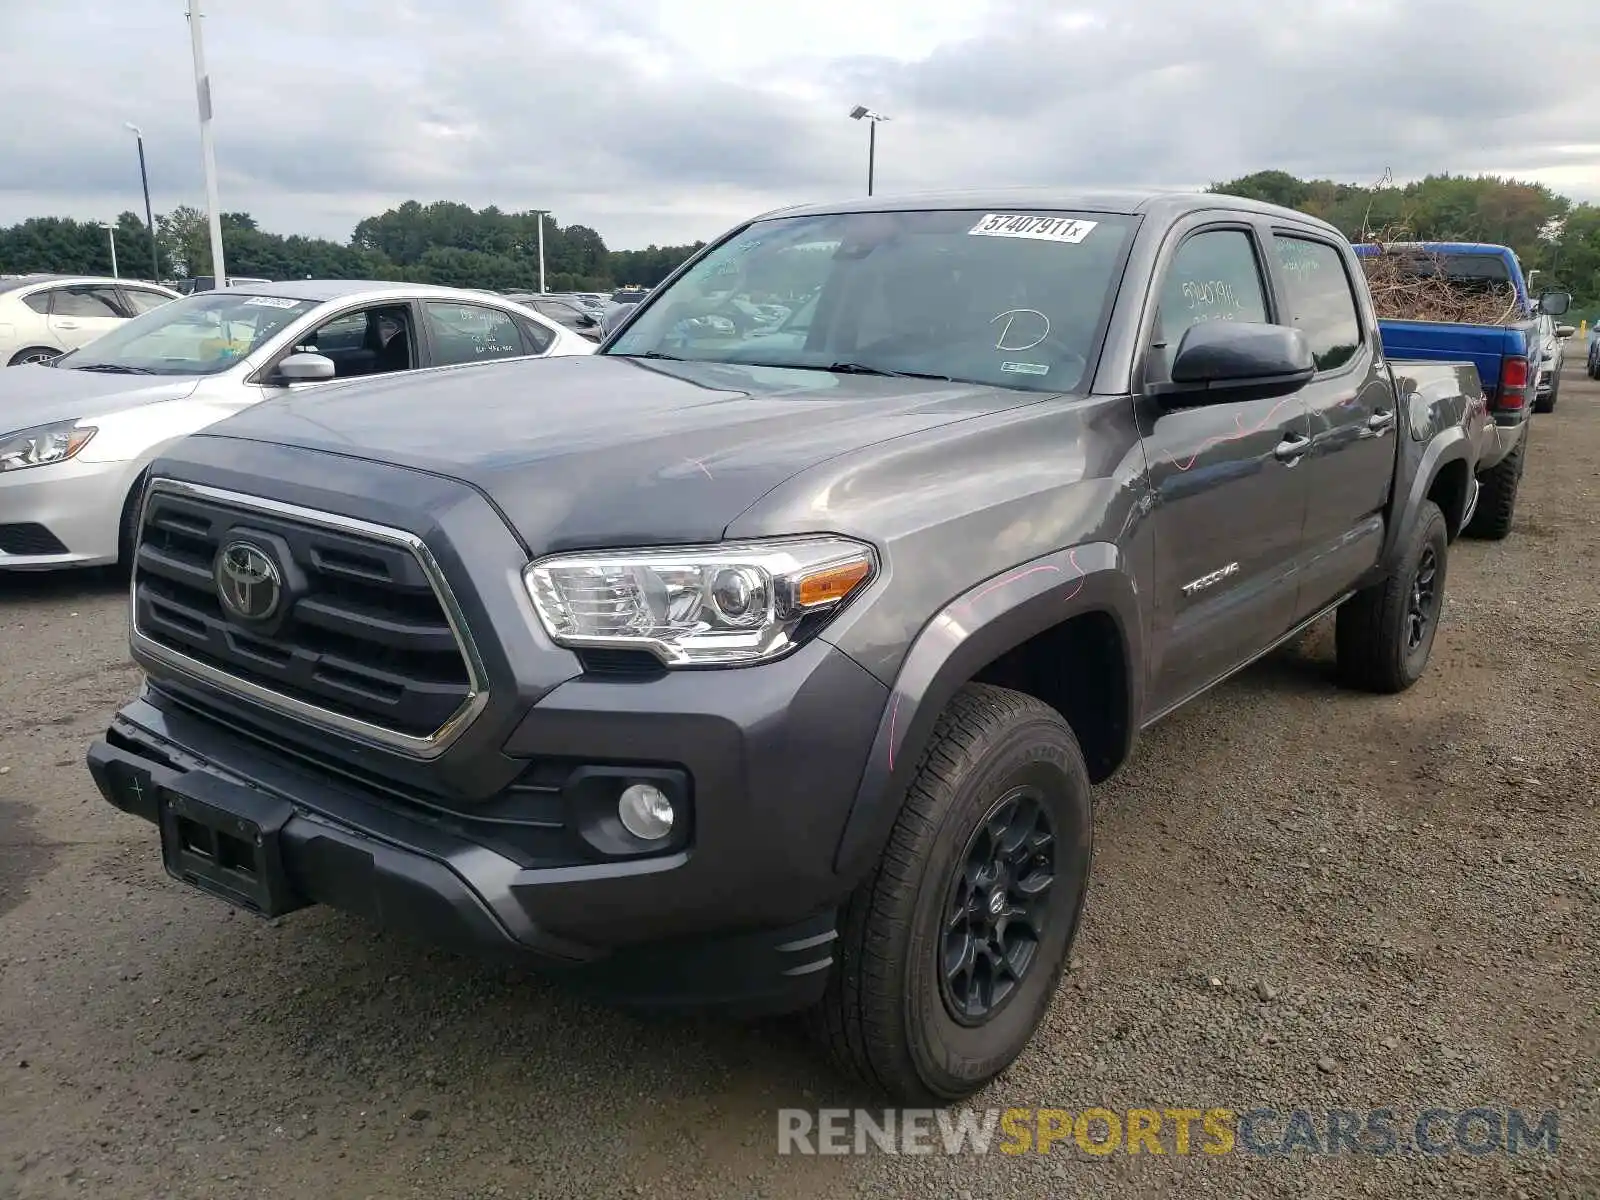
point(345, 624)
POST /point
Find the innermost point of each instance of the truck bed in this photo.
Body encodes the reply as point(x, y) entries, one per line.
point(1484, 346)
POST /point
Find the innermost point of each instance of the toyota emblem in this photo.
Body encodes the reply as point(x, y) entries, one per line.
point(248, 581)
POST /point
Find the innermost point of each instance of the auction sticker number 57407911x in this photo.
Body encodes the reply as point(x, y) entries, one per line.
point(1036, 228)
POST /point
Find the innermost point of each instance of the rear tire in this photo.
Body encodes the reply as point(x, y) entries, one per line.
point(34, 354)
point(1497, 498)
point(990, 851)
point(1384, 634)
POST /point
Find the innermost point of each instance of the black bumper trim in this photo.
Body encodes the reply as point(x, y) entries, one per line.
point(410, 885)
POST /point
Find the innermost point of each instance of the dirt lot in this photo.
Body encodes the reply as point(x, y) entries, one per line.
point(1302, 899)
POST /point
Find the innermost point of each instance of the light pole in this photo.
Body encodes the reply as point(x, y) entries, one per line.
point(202, 91)
point(541, 251)
point(859, 113)
point(149, 215)
point(111, 233)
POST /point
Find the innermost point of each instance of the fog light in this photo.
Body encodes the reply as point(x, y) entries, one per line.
point(645, 811)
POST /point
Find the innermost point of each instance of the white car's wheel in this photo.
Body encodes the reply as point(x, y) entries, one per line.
point(33, 354)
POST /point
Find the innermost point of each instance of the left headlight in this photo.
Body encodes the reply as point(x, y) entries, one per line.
point(711, 605)
point(43, 444)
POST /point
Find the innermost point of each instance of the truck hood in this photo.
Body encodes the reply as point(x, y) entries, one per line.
point(595, 450)
point(34, 395)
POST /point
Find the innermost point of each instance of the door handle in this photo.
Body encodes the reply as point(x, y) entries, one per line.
point(1292, 448)
point(66, 324)
point(1380, 422)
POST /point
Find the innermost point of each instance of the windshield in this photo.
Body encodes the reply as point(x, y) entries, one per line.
point(1010, 299)
point(200, 334)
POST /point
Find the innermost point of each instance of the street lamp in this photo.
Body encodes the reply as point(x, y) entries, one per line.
point(149, 215)
point(858, 113)
point(111, 233)
point(202, 91)
point(541, 251)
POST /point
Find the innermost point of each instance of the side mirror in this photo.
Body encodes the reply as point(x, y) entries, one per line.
point(1222, 361)
point(1565, 331)
point(305, 367)
point(1555, 303)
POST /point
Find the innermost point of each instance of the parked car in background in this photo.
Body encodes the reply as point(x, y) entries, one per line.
point(614, 315)
point(206, 283)
point(1592, 356)
point(1552, 341)
point(709, 670)
point(1506, 356)
point(77, 433)
point(42, 316)
point(563, 312)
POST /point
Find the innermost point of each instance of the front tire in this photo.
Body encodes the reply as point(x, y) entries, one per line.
point(951, 950)
point(33, 354)
point(1384, 634)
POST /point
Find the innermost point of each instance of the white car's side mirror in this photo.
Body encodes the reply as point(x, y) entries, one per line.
point(305, 367)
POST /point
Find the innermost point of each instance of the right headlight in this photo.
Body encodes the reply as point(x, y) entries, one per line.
point(698, 605)
point(43, 444)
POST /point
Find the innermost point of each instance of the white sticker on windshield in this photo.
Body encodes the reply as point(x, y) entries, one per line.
point(270, 302)
point(1015, 368)
point(1039, 229)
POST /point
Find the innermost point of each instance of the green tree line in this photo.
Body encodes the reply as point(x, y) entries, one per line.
point(444, 243)
point(453, 243)
point(1550, 233)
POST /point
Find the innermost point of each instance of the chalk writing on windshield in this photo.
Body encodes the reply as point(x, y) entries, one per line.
point(1021, 328)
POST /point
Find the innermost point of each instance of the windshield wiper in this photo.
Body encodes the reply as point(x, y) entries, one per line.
point(111, 369)
point(853, 368)
point(650, 354)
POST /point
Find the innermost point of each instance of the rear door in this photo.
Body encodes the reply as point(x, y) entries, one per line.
point(463, 332)
point(1349, 470)
point(81, 312)
point(1230, 502)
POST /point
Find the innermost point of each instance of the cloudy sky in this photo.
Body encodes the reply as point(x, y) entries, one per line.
point(668, 120)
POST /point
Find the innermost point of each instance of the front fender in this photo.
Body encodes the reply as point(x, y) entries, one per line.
point(966, 635)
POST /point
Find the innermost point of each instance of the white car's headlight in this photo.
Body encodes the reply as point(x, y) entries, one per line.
point(43, 444)
point(726, 604)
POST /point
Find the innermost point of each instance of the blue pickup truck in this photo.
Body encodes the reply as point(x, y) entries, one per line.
point(1506, 356)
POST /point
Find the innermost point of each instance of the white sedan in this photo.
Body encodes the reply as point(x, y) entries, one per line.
point(78, 432)
point(43, 315)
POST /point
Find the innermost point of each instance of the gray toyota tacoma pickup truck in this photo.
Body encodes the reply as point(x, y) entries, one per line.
point(770, 665)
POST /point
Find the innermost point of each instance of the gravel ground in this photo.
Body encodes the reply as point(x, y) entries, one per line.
point(1303, 899)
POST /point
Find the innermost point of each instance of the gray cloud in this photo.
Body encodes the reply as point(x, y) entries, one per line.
point(329, 110)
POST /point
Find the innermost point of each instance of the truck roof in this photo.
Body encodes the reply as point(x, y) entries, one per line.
point(1155, 202)
point(1487, 248)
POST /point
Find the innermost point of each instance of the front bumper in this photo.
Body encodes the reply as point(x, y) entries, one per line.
point(741, 917)
point(62, 515)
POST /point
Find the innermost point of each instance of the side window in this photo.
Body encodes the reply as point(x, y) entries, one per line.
point(370, 341)
point(535, 336)
point(142, 301)
point(88, 302)
point(348, 332)
point(1319, 300)
point(471, 333)
point(40, 301)
point(1214, 276)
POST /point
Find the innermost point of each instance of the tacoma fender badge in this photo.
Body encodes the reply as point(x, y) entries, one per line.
point(1205, 581)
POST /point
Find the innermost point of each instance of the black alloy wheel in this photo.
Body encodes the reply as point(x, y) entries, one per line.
point(998, 907)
